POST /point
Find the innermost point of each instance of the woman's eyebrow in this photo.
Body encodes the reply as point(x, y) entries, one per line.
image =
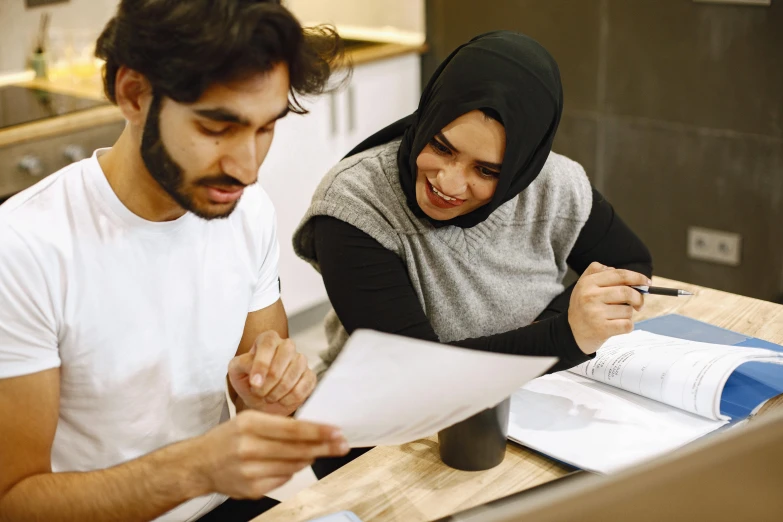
point(496, 166)
point(488, 164)
point(446, 142)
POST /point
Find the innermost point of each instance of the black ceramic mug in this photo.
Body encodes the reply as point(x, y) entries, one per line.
point(478, 442)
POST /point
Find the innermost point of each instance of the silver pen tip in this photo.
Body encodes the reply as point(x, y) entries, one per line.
point(684, 292)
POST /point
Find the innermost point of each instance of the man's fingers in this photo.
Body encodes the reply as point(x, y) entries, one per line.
point(289, 379)
point(265, 466)
point(618, 277)
point(258, 478)
point(260, 487)
point(264, 449)
point(265, 347)
point(285, 428)
point(301, 391)
point(284, 355)
point(240, 366)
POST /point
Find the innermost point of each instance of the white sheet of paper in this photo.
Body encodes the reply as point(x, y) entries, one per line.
point(685, 374)
point(386, 389)
point(597, 427)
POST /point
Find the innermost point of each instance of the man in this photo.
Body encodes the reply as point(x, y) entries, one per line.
point(133, 282)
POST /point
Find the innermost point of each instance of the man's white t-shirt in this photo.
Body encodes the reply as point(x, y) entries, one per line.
point(141, 317)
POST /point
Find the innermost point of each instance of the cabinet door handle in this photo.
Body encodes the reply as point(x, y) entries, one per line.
point(333, 115)
point(32, 165)
point(351, 109)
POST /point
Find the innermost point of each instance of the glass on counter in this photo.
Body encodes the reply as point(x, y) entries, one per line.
point(72, 56)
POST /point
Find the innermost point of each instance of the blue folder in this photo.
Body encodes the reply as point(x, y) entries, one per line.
point(750, 385)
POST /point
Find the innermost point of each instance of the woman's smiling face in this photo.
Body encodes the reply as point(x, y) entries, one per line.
point(458, 170)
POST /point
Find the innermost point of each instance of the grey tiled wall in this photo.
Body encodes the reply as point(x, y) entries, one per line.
point(675, 109)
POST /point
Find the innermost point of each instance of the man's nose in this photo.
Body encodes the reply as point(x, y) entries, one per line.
point(242, 162)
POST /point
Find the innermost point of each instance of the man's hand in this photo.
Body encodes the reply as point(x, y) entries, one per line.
point(272, 377)
point(254, 452)
point(245, 457)
point(602, 305)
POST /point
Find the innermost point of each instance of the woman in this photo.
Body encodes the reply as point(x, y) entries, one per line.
point(457, 223)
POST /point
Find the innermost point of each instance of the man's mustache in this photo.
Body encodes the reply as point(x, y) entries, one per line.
point(220, 180)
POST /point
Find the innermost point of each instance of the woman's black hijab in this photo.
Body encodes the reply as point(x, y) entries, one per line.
point(508, 73)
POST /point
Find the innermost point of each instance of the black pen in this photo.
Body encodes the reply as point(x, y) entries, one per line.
point(659, 290)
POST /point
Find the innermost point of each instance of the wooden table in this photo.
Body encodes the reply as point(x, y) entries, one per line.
point(409, 482)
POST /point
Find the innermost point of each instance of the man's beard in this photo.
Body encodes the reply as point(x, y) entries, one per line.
point(169, 174)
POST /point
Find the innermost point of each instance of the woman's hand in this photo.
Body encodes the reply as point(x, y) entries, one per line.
point(602, 305)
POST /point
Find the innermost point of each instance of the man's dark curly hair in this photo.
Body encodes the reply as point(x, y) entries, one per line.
point(184, 47)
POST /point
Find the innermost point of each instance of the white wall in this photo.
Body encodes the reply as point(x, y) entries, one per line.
point(19, 25)
point(406, 15)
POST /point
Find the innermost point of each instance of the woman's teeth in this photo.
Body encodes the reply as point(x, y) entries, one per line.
point(441, 194)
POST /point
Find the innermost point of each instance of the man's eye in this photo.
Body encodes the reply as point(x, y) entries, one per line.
point(213, 132)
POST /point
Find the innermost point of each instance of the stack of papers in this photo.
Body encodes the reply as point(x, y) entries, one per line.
point(386, 389)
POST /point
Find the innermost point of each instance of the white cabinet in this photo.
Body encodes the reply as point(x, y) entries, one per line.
point(306, 147)
point(302, 147)
point(380, 93)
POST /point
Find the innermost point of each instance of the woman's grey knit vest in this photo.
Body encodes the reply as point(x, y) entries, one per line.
point(492, 278)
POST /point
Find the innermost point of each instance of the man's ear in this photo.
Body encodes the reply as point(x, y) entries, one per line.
point(133, 94)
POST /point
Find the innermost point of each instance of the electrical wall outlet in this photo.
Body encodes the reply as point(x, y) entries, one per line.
point(715, 246)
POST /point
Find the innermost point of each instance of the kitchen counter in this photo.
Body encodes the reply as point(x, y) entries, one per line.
point(68, 122)
point(356, 55)
point(382, 51)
